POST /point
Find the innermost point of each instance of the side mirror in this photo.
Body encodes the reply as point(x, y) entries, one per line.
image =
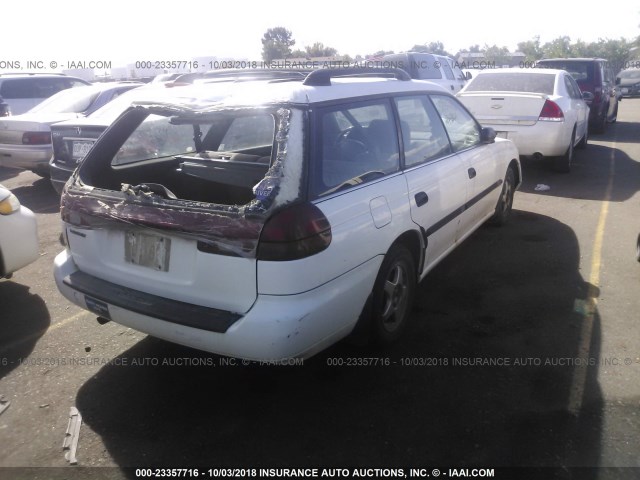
point(618, 80)
point(487, 135)
point(588, 96)
point(467, 75)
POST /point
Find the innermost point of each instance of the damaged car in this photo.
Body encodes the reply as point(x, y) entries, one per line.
point(271, 222)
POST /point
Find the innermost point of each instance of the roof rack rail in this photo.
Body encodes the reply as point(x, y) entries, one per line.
point(322, 78)
point(257, 74)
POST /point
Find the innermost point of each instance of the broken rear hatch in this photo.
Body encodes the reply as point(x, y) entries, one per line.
point(171, 200)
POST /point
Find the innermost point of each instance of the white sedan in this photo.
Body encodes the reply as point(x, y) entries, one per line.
point(25, 140)
point(542, 111)
point(18, 234)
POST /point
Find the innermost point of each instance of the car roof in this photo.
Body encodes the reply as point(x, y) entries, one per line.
point(579, 59)
point(535, 71)
point(10, 75)
point(322, 87)
point(104, 87)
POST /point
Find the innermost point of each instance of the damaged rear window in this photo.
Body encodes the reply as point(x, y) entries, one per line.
point(243, 158)
point(161, 136)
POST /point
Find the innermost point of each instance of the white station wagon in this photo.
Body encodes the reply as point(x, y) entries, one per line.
point(268, 224)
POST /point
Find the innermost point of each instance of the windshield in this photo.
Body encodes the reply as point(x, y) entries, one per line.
point(513, 82)
point(72, 100)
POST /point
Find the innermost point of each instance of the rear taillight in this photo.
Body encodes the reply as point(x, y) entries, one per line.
point(36, 138)
point(295, 232)
point(551, 112)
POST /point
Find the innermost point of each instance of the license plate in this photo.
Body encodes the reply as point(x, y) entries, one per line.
point(151, 251)
point(625, 90)
point(80, 149)
point(502, 134)
point(98, 307)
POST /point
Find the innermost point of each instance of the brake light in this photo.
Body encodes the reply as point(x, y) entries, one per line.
point(36, 138)
point(293, 233)
point(551, 112)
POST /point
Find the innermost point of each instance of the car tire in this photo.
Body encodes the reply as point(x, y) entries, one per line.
point(563, 164)
point(584, 141)
point(505, 202)
point(638, 249)
point(614, 119)
point(392, 296)
point(600, 126)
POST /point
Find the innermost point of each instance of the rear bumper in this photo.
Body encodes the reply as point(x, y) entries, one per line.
point(549, 139)
point(277, 327)
point(59, 175)
point(27, 157)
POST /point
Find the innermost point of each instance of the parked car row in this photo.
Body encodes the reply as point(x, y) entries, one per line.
point(25, 140)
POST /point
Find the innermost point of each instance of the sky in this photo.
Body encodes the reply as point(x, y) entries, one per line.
point(123, 32)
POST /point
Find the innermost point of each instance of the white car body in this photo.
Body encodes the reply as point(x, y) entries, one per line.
point(18, 234)
point(496, 99)
point(229, 278)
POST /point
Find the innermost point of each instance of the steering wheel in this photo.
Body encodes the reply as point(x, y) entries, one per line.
point(354, 137)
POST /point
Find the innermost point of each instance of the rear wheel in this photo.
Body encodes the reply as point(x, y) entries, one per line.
point(615, 114)
point(393, 294)
point(563, 164)
point(583, 143)
point(505, 202)
point(600, 126)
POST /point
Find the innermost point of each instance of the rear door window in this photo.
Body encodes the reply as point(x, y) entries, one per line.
point(355, 143)
point(423, 135)
point(18, 88)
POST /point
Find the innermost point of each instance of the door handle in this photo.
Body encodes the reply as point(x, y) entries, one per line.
point(472, 172)
point(421, 198)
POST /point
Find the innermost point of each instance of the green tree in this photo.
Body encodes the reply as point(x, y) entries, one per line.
point(531, 49)
point(558, 48)
point(472, 49)
point(498, 55)
point(432, 47)
point(379, 53)
point(618, 52)
point(276, 44)
point(319, 50)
